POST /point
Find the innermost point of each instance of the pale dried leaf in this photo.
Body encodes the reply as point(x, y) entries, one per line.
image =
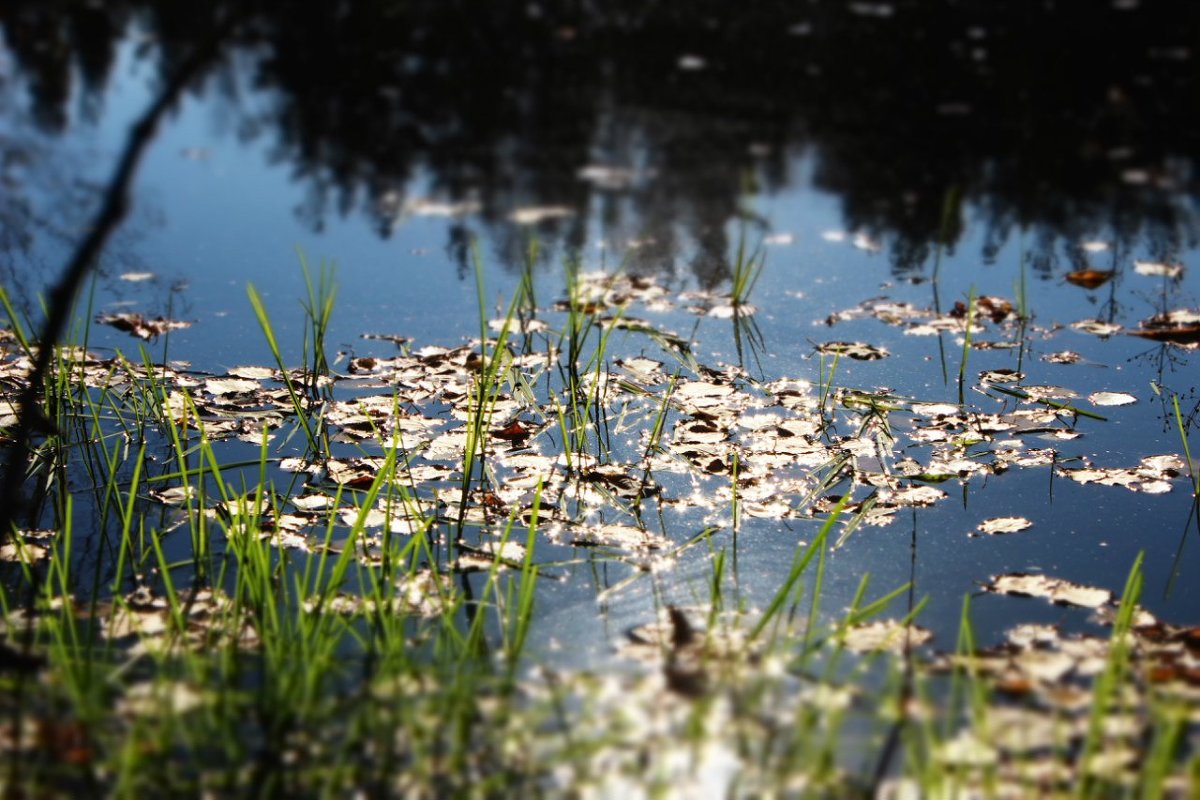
point(1002, 525)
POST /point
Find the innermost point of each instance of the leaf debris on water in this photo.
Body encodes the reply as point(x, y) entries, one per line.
point(1179, 327)
point(885, 635)
point(1090, 278)
point(139, 326)
point(1157, 269)
point(1111, 399)
point(1056, 590)
point(860, 351)
point(997, 526)
point(1097, 327)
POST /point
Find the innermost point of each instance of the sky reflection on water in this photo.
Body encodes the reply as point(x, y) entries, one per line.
point(863, 149)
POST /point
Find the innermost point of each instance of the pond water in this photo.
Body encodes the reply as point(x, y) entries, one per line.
point(911, 176)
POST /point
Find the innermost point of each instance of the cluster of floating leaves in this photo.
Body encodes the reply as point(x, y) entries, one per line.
point(1045, 681)
point(786, 442)
point(663, 432)
point(1043, 685)
point(1179, 327)
point(593, 457)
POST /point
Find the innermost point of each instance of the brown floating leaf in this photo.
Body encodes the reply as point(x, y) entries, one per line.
point(995, 308)
point(65, 741)
point(1090, 278)
point(1179, 327)
point(515, 431)
point(139, 326)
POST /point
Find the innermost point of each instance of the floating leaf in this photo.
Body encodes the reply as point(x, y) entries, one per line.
point(1111, 399)
point(607, 178)
point(997, 526)
point(1055, 590)
point(966, 749)
point(519, 325)
point(139, 326)
point(146, 699)
point(1096, 327)
point(1090, 278)
point(226, 386)
point(1062, 357)
point(1150, 476)
point(485, 556)
point(174, 495)
point(535, 215)
point(1157, 269)
point(253, 373)
point(857, 350)
point(916, 496)
point(23, 552)
point(622, 536)
point(1168, 465)
point(1181, 327)
point(997, 309)
point(515, 431)
point(864, 242)
point(731, 310)
point(312, 502)
point(1041, 393)
point(884, 635)
point(1003, 375)
point(422, 207)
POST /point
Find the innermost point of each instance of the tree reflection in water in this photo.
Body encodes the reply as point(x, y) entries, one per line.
point(1064, 118)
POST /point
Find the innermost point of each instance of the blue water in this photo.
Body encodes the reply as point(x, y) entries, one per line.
point(215, 211)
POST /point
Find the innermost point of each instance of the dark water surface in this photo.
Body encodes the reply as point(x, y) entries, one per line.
point(868, 147)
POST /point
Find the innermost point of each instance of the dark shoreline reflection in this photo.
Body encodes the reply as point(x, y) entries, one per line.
point(1060, 118)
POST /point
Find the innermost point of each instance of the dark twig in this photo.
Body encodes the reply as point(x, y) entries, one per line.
point(62, 298)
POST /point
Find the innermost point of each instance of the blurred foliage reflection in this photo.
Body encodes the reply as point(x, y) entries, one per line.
point(1064, 118)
